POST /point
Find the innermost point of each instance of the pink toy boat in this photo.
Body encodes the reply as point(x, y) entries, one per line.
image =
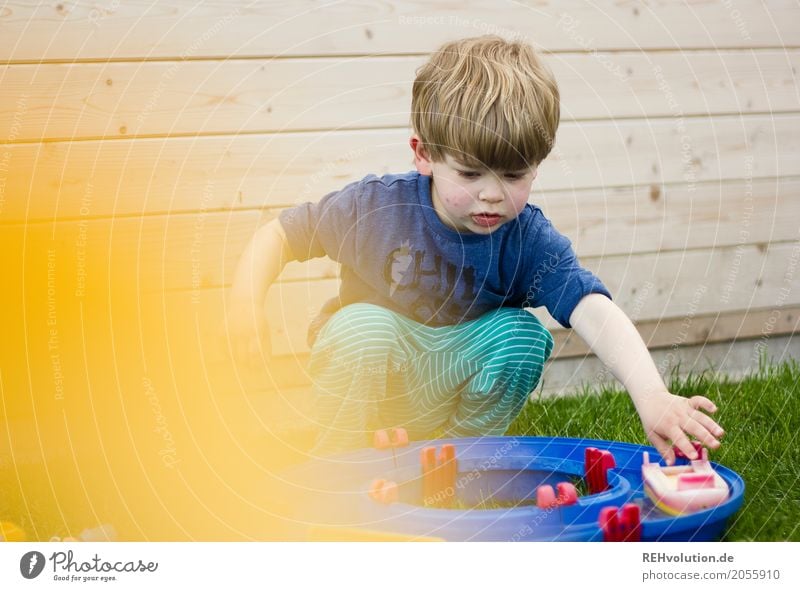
point(684, 489)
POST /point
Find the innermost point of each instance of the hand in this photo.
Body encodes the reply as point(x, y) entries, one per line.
point(669, 418)
point(247, 332)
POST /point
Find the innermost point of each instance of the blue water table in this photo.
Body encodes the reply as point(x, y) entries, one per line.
point(496, 489)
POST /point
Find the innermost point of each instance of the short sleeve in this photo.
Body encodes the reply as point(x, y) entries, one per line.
point(327, 227)
point(556, 279)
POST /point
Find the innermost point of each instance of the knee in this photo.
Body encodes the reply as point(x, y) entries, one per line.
point(524, 333)
point(532, 332)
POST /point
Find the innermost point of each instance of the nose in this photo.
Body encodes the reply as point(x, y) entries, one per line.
point(491, 192)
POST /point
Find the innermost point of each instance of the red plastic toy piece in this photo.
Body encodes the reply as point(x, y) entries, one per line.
point(400, 437)
point(567, 495)
point(597, 463)
point(381, 439)
point(384, 491)
point(698, 447)
point(428, 459)
point(621, 525)
point(449, 467)
point(545, 497)
point(439, 475)
point(390, 438)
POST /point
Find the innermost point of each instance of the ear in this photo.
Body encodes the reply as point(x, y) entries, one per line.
point(422, 159)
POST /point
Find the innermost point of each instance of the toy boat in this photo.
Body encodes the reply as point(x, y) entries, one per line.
point(678, 490)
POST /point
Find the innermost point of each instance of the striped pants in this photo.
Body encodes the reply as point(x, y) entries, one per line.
point(373, 369)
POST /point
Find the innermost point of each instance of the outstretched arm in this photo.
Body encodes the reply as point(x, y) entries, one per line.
point(665, 417)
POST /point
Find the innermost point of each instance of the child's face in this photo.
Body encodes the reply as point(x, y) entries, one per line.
point(476, 200)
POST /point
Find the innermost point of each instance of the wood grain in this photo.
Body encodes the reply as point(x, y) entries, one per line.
point(139, 29)
point(118, 100)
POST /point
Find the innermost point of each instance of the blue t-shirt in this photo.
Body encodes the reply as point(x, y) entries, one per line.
point(395, 252)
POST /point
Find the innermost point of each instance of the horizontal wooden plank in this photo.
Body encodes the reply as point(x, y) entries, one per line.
point(289, 323)
point(671, 333)
point(684, 83)
point(291, 371)
point(139, 29)
point(651, 287)
point(70, 101)
point(629, 220)
point(144, 176)
point(648, 286)
point(166, 252)
point(681, 284)
point(731, 360)
point(293, 406)
point(194, 251)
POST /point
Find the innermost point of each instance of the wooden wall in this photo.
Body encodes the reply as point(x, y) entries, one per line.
point(142, 143)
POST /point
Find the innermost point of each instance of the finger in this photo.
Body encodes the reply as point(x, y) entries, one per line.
point(681, 441)
point(701, 433)
point(709, 424)
point(664, 448)
point(698, 402)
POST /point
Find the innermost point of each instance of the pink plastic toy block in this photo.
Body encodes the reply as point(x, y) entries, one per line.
point(567, 495)
point(545, 497)
point(383, 491)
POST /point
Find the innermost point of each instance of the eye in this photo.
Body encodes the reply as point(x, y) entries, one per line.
point(469, 174)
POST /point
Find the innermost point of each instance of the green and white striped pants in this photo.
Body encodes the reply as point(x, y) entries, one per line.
point(373, 369)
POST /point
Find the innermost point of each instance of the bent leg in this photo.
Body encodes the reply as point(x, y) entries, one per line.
point(373, 368)
point(350, 364)
point(511, 346)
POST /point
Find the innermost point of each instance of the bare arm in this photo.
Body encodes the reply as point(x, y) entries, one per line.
point(262, 261)
point(665, 417)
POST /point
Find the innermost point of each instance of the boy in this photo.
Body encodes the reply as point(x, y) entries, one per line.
point(429, 330)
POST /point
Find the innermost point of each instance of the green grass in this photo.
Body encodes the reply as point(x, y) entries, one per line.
point(761, 417)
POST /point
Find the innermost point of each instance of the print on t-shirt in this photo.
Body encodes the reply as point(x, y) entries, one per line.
point(435, 282)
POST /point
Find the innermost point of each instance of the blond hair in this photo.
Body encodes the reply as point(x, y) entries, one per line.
point(486, 102)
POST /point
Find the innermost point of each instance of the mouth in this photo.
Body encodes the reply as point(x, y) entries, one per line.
point(487, 220)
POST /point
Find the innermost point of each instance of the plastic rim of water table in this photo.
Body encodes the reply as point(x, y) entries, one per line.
point(346, 478)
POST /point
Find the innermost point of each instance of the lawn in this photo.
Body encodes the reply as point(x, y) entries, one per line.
point(761, 417)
